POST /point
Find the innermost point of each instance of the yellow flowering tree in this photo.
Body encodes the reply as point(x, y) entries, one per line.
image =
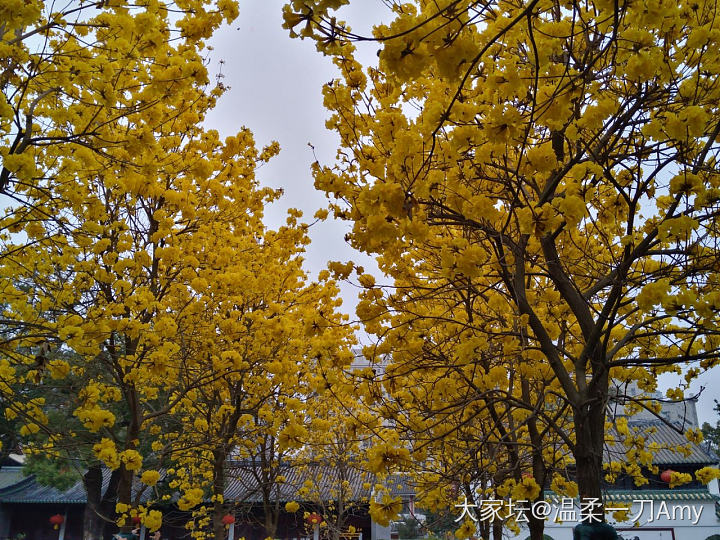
point(472, 418)
point(150, 265)
point(127, 228)
point(264, 342)
point(334, 461)
point(556, 159)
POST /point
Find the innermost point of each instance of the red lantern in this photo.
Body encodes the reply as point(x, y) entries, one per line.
point(136, 520)
point(314, 519)
point(666, 475)
point(228, 519)
point(56, 521)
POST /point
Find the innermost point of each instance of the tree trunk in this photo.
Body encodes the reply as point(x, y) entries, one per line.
point(268, 476)
point(125, 481)
point(125, 493)
point(126, 476)
point(590, 438)
point(218, 492)
point(100, 506)
point(535, 524)
point(270, 521)
point(93, 524)
point(220, 454)
point(484, 529)
point(497, 530)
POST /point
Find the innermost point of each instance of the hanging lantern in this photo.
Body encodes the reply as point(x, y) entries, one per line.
point(666, 475)
point(314, 519)
point(228, 519)
point(136, 520)
point(56, 521)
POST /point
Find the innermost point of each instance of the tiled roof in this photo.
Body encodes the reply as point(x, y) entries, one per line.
point(668, 441)
point(662, 494)
point(243, 486)
point(10, 476)
point(28, 490)
point(649, 495)
point(401, 485)
point(244, 479)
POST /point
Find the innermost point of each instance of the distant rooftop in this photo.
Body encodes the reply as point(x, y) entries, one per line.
point(668, 440)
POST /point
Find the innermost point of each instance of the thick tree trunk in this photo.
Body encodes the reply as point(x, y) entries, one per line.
point(536, 527)
point(101, 506)
point(497, 530)
point(270, 521)
point(590, 437)
point(125, 493)
point(218, 491)
point(93, 524)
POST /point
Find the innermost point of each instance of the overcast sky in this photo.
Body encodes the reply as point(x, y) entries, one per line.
point(275, 90)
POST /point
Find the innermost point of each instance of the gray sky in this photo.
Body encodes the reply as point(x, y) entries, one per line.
point(275, 90)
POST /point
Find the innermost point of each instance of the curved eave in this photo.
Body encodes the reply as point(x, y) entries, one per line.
point(649, 495)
